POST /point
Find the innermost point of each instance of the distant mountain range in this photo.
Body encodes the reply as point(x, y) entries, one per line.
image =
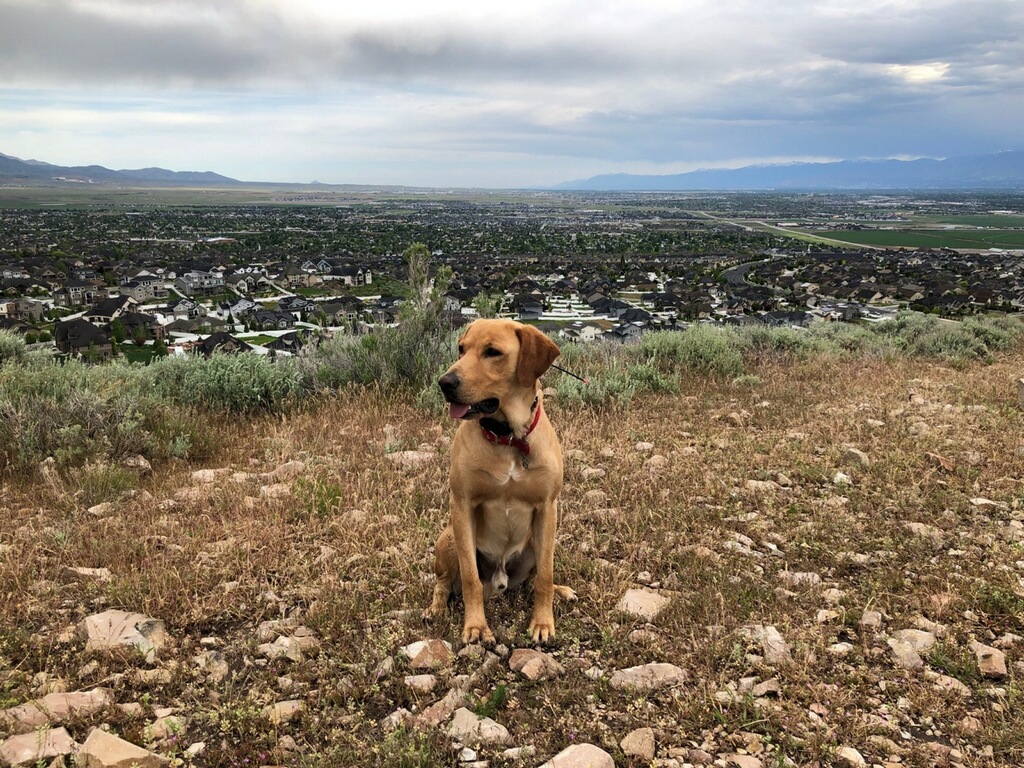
point(1004, 170)
point(13, 169)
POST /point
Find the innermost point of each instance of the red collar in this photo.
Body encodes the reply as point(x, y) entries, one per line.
point(510, 438)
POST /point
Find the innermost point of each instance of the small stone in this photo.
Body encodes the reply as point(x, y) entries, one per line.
point(468, 728)
point(840, 649)
point(918, 639)
point(774, 646)
point(870, 620)
point(164, 728)
point(207, 476)
point(642, 603)
point(56, 708)
point(800, 579)
point(434, 654)
point(89, 574)
point(581, 756)
point(743, 761)
point(595, 498)
point(639, 744)
point(656, 462)
point(409, 460)
point(593, 473)
point(534, 665)
point(421, 683)
point(947, 683)
point(101, 510)
point(856, 458)
point(644, 447)
point(769, 687)
point(904, 655)
point(991, 661)
point(105, 750)
point(519, 753)
point(841, 478)
point(36, 746)
point(288, 471)
point(648, 677)
point(849, 757)
point(114, 629)
point(283, 711)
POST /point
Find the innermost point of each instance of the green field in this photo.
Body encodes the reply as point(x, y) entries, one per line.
point(931, 238)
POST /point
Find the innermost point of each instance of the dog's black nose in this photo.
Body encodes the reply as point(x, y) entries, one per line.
point(449, 383)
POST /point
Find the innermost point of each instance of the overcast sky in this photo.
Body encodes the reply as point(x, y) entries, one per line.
point(452, 93)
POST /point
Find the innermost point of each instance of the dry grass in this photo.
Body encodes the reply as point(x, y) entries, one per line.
point(349, 551)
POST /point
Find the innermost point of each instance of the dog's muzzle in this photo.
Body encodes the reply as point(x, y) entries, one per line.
point(450, 384)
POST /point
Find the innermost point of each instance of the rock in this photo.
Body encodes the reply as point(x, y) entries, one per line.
point(581, 756)
point(207, 476)
point(276, 491)
point(595, 498)
point(947, 683)
point(644, 447)
point(991, 661)
point(519, 753)
point(105, 750)
point(841, 478)
point(849, 757)
point(214, 664)
point(925, 531)
point(648, 677)
point(642, 603)
point(139, 463)
point(165, 727)
point(918, 639)
point(593, 473)
point(873, 423)
point(840, 649)
point(856, 458)
point(870, 620)
point(799, 579)
point(36, 746)
point(429, 654)
point(284, 711)
point(762, 486)
point(1020, 393)
point(55, 708)
point(89, 574)
point(284, 473)
point(421, 683)
point(411, 459)
point(119, 630)
point(639, 744)
point(467, 728)
point(904, 655)
point(101, 510)
point(743, 761)
point(656, 462)
point(534, 665)
point(773, 645)
point(767, 688)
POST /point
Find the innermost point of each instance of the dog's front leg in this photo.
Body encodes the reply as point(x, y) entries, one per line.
point(475, 629)
point(545, 520)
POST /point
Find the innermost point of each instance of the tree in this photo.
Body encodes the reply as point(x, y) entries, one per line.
point(117, 331)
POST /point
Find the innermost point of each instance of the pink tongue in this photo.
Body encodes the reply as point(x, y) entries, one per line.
point(457, 410)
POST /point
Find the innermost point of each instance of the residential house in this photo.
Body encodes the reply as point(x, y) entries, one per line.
point(80, 338)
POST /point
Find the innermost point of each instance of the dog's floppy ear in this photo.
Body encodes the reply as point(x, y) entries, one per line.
point(536, 354)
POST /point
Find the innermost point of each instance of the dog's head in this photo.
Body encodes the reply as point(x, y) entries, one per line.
point(498, 367)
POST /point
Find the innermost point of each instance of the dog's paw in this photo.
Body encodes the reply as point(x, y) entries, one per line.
point(565, 593)
point(481, 634)
point(542, 631)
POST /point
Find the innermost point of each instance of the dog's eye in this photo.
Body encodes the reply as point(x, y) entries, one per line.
point(492, 352)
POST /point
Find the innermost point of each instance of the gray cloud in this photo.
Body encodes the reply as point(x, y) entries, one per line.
point(604, 83)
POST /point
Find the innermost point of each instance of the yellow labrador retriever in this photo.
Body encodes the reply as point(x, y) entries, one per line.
point(506, 475)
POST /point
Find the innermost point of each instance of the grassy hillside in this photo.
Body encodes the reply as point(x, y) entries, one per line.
point(314, 517)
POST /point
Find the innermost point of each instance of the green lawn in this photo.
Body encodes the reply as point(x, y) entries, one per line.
point(933, 238)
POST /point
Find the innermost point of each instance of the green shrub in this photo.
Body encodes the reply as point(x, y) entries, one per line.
point(12, 347)
point(233, 383)
point(701, 349)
